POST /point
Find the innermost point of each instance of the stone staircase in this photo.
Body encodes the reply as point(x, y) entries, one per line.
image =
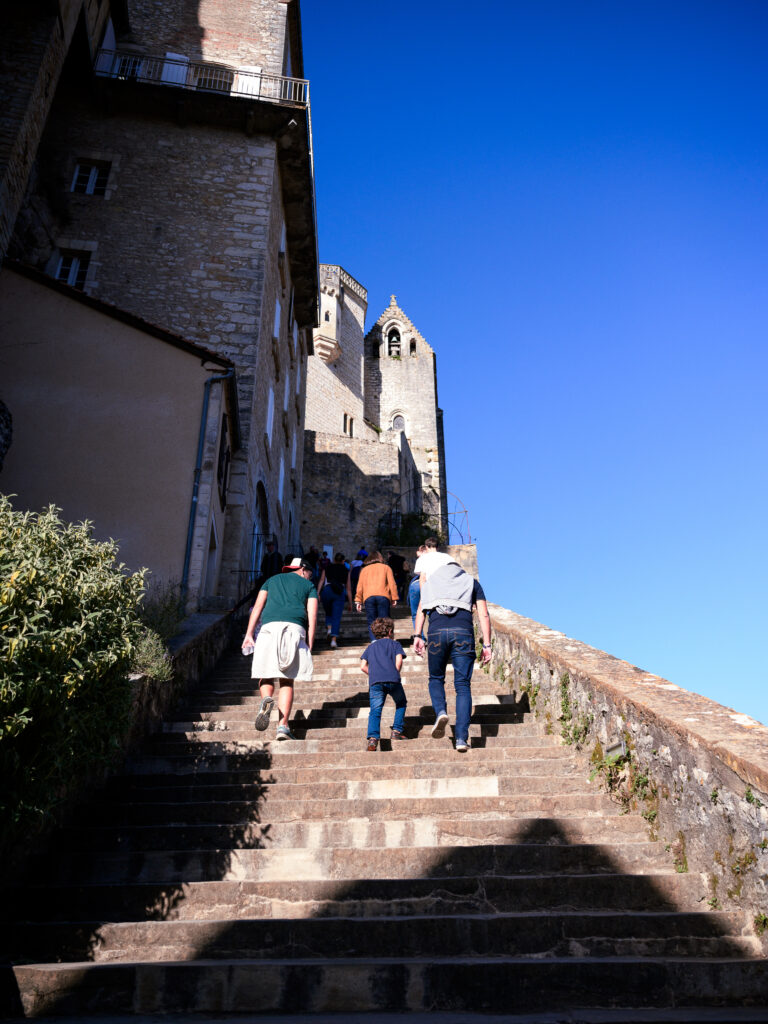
point(225, 873)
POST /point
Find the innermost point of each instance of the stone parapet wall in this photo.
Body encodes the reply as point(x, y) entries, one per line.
point(695, 770)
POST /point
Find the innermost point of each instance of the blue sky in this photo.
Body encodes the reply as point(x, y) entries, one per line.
point(570, 201)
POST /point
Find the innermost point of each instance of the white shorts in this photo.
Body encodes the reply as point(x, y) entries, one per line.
point(281, 652)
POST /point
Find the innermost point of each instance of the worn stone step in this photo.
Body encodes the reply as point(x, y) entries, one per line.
point(395, 809)
point(207, 760)
point(362, 832)
point(370, 897)
point(341, 739)
point(227, 729)
point(344, 718)
point(217, 824)
point(173, 788)
point(410, 984)
point(547, 934)
point(245, 858)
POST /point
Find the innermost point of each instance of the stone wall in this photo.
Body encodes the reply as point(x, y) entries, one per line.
point(234, 32)
point(695, 770)
point(335, 372)
point(349, 484)
point(33, 46)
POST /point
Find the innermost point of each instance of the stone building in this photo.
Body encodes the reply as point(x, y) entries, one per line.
point(374, 450)
point(158, 157)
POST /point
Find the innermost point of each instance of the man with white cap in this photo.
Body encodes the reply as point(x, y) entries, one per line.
point(282, 650)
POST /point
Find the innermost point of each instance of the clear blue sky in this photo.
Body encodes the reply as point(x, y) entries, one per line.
point(570, 200)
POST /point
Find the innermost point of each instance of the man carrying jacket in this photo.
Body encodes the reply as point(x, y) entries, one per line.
point(448, 596)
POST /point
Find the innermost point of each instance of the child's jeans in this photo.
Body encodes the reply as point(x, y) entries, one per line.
point(378, 694)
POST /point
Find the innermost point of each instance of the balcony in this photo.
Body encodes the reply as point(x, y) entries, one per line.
point(177, 72)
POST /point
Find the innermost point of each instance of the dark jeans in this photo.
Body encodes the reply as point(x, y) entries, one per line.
point(334, 606)
point(376, 608)
point(458, 647)
point(377, 693)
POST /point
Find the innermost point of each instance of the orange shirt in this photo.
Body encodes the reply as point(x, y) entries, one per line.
point(375, 580)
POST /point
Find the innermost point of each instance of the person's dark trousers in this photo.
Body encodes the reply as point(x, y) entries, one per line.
point(378, 693)
point(414, 596)
point(458, 647)
point(376, 608)
point(334, 605)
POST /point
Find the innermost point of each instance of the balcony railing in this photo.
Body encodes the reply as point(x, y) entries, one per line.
point(249, 82)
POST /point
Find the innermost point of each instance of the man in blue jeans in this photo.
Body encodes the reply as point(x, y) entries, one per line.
point(448, 596)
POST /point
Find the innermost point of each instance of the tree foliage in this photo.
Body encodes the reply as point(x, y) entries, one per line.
point(68, 630)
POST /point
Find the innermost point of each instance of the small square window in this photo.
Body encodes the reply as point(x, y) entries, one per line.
point(73, 268)
point(91, 179)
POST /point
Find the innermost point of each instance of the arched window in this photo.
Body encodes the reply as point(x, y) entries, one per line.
point(413, 346)
point(398, 423)
point(393, 339)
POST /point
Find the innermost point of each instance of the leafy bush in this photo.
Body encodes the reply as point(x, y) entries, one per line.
point(68, 632)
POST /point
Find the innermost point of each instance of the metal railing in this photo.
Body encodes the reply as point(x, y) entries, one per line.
point(249, 82)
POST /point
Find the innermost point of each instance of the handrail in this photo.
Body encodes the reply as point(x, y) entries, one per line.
point(201, 76)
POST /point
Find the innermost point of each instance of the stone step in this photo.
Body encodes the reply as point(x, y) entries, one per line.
point(223, 824)
point(227, 727)
point(370, 985)
point(310, 741)
point(179, 787)
point(207, 760)
point(362, 832)
point(243, 859)
point(542, 934)
point(385, 897)
point(343, 707)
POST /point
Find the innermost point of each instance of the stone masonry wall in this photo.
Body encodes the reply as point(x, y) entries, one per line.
point(696, 771)
point(234, 32)
point(349, 484)
point(336, 387)
point(33, 46)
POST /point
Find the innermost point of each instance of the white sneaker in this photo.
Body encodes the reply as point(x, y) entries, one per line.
point(438, 729)
point(334, 645)
point(461, 746)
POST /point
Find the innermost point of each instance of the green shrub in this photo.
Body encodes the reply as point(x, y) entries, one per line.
point(68, 631)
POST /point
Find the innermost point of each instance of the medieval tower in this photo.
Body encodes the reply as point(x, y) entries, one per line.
point(374, 450)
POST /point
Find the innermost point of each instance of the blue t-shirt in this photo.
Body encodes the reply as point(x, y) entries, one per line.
point(380, 656)
point(461, 619)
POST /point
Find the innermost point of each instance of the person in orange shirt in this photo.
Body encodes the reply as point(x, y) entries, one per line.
point(376, 589)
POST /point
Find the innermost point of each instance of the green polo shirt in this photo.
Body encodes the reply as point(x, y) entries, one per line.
point(287, 596)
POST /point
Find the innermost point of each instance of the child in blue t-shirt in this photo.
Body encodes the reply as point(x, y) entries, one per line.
point(381, 661)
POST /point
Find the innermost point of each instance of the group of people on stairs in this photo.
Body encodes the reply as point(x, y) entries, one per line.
point(282, 625)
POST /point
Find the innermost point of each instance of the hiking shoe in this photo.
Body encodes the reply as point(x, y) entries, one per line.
point(372, 743)
point(284, 733)
point(461, 746)
point(438, 729)
point(262, 716)
point(334, 645)
point(397, 735)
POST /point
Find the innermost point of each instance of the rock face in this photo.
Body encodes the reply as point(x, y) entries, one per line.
point(6, 431)
point(233, 874)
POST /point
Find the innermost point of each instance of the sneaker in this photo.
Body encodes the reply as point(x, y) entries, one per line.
point(461, 746)
point(372, 743)
point(327, 630)
point(397, 735)
point(262, 717)
point(284, 733)
point(438, 729)
point(334, 645)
